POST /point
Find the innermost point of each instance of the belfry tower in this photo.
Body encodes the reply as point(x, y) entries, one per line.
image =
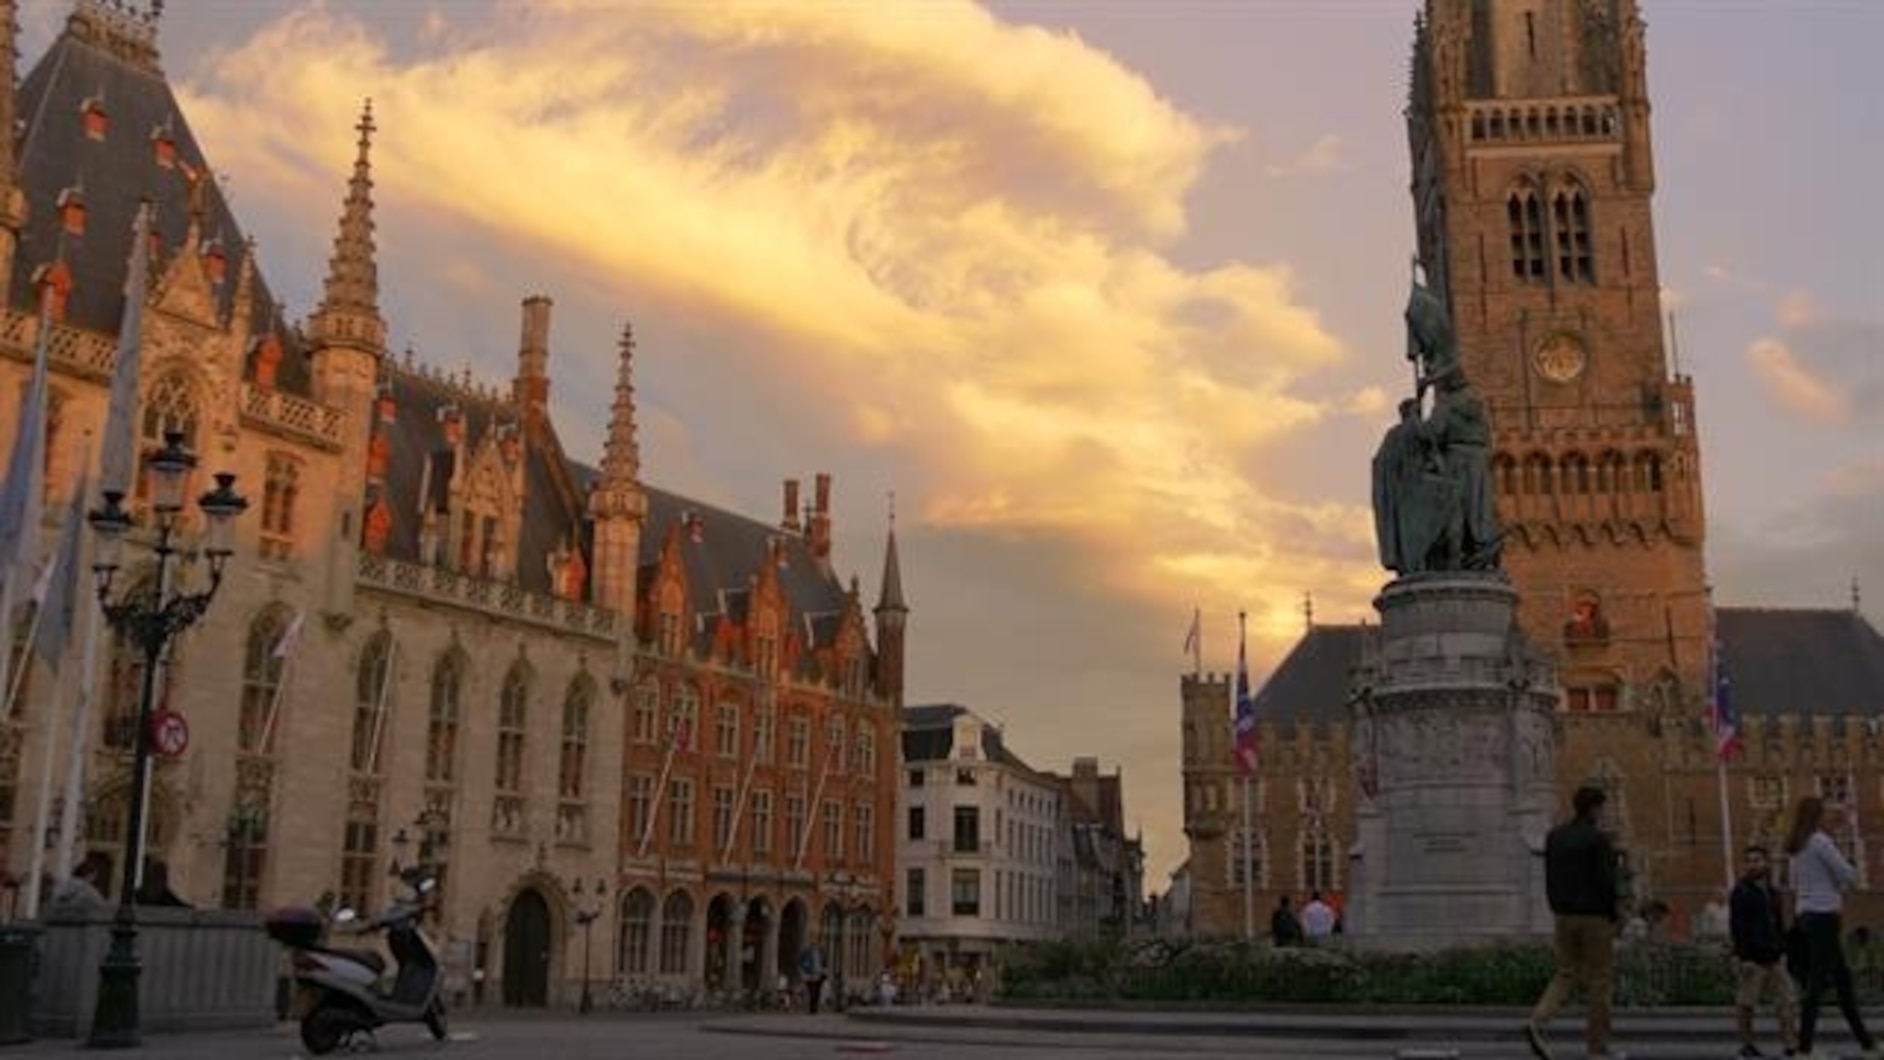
point(1532, 178)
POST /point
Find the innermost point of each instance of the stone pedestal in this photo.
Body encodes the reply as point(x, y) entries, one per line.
point(1454, 732)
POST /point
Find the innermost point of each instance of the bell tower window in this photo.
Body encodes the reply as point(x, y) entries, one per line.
point(1570, 219)
point(1525, 217)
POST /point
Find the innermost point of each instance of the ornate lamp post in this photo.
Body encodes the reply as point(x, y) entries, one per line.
point(149, 620)
point(586, 913)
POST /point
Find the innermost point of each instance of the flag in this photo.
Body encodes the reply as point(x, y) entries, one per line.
point(22, 500)
point(1721, 716)
point(1245, 707)
point(59, 604)
point(117, 463)
point(290, 637)
point(1194, 639)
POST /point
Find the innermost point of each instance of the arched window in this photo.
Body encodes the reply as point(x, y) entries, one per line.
point(372, 689)
point(1318, 862)
point(1524, 216)
point(263, 667)
point(441, 733)
point(281, 488)
point(637, 925)
point(170, 407)
point(512, 716)
point(1570, 220)
point(573, 765)
point(676, 932)
point(1247, 863)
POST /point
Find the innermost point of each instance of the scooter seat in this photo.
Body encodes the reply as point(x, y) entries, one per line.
point(370, 958)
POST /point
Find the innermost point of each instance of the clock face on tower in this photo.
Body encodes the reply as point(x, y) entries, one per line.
point(1560, 358)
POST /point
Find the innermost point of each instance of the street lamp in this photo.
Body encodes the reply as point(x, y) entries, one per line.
point(585, 916)
point(149, 621)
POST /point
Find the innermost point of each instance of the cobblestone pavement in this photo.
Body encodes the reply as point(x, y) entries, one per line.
point(970, 1036)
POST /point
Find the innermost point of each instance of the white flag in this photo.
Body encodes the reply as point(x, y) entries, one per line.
point(118, 463)
point(290, 638)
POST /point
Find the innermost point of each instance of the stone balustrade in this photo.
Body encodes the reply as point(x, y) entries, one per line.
point(291, 416)
point(1573, 118)
point(501, 600)
point(204, 969)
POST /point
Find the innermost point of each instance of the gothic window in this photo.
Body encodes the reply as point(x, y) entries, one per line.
point(723, 796)
point(637, 924)
point(833, 831)
point(683, 725)
point(864, 817)
point(676, 932)
point(1524, 216)
point(761, 823)
point(170, 407)
point(1570, 221)
point(680, 812)
point(647, 709)
point(280, 490)
point(762, 735)
point(1576, 474)
point(726, 731)
point(1247, 863)
point(481, 548)
point(1318, 862)
point(640, 805)
point(372, 687)
point(512, 717)
point(359, 855)
point(441, 730)
point(866, 751)
point(572, 767)
point(834, 744)
point(794, 824)
point(262, 673)
point(798, 741)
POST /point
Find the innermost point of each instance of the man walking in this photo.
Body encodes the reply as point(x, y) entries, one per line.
point(1759, 953)
point(811, 969)
point(1580, 882)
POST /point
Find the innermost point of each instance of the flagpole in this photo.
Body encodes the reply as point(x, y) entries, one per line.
point(379, 706)
point(18, 677)
point(1726, 823)
point(660, 789)
point(43, 811)
point(812, 812)
point(285, 650)
point(739, 808)
point(1244, 741)
point(75, 769)
point(1249, 885)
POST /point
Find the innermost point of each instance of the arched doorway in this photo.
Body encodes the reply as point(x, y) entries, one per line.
point(527, 950)
point(719, 923)
point(791, 938)
point(752, 971)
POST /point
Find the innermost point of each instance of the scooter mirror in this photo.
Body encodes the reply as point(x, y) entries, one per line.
point(346, 916)
point(427, 885)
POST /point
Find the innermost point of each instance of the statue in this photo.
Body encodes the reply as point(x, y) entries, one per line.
point(1433, 503)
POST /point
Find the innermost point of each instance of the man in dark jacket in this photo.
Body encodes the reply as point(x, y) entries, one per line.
point(1580, 881)
point(1760, 952)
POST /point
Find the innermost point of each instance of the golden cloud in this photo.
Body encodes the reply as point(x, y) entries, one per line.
point(972, 215)
point(1793, 385)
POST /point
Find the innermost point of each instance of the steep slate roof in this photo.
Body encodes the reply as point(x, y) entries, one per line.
point(723, 564)
point(1803, 662)
point(1311, 684)
point(929, 735)
point(116, 174)
point(1781, 662)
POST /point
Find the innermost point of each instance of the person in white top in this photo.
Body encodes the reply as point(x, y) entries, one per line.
point(1318, 918)
point(1820, 878)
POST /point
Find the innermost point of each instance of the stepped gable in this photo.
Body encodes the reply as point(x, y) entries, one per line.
point(1787, 661)
point(722, 555)
point(1312, 684)
point(117, 172)
point(929, 736)
point(417, 434)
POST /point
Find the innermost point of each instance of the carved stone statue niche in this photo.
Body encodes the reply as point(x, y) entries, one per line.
point(1433, 505)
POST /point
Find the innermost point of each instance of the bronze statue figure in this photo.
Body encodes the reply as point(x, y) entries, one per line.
point(1433, 503)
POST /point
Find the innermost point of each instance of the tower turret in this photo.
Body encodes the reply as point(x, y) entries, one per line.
point(892, 614)
point(530, 390)
point(618, 506)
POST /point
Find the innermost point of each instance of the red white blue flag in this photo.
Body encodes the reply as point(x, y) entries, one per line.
point(1722, 718)
point(1245, 706)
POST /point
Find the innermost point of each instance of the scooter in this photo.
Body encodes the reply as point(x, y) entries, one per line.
point(341, 995)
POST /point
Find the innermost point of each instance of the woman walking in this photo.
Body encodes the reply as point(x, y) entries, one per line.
point(1820, 876)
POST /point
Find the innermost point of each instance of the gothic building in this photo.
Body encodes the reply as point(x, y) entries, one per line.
point(590, 701)
point(1532, 178)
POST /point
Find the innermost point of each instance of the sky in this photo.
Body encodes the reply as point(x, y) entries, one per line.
point(1104, 293)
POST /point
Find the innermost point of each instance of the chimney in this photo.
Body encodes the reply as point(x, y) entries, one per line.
point(531, 390)
point(820, 528)
point(791, 505)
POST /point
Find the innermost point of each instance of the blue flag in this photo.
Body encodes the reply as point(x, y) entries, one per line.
point(1245, 707)
point(59, 607)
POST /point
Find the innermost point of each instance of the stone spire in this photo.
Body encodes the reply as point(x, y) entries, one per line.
point(621, 458)
point(12, 199)
point(349, 310)
point(892, 615)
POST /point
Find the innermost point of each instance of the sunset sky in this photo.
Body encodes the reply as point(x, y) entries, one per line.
point(1107, 292)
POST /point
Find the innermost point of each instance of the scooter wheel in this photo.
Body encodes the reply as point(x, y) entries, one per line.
point(435, 1021)
point(323, 1029)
